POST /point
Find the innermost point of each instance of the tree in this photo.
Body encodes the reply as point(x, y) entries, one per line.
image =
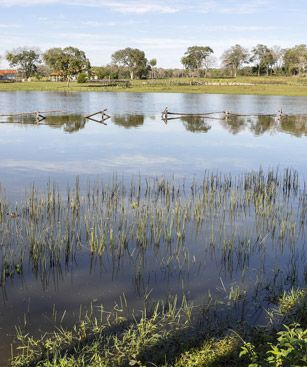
point(279, 57)
point(295, 59)
point(128, 121)
point(264, 58)
point(133, 59)
point(26, 59)
point(153, 64)
point(104, 72)
point(234, 58)
point(195, 58)
point(69, 61)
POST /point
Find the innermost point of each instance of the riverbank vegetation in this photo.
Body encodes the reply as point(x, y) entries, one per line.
point(282, 86)
point(172, 334)
point(240, 221)
point(69, 63)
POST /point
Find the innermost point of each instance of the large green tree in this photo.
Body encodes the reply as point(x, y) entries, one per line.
point(234, 58)
point(133, 59)
point(295, 59)
point(264, 58)
point(25, 59)
point(69, 61)
point(196, 58)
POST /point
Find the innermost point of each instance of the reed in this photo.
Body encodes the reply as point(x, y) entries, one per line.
point(235, 215)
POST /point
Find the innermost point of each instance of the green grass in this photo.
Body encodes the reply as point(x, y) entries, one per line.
point(288, 86)
point(112, 220)
point(48, 228)
point(169, 336)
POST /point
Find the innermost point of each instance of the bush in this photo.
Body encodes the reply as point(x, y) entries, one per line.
point(82, 78)
point(290, 349)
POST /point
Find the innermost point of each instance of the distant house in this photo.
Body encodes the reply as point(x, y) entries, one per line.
point(8, 75)
point(56, 76)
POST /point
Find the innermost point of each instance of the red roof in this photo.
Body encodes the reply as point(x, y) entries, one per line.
point(8, 72)
point(56, 73)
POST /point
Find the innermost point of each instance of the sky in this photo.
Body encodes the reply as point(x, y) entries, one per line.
point(163, 29)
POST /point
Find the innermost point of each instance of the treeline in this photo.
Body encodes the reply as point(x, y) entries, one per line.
point(70, 62)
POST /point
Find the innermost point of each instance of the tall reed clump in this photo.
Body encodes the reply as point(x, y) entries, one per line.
point(157, 223)
point(233, 215)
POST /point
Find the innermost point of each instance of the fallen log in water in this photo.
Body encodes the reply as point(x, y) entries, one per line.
point(104, 116)
point(29, 113)
point(210, 115)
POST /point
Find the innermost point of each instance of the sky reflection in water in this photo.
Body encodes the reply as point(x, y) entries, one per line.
point(137, 142)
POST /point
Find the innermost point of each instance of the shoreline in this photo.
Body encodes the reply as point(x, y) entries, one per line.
point(263, 86)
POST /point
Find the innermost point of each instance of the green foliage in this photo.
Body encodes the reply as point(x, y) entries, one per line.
point(235, 57)
point(133, 59)
point(245, 85)
point(289, 350)
point(196, 57)
point(26, 59)
point(92, 342)
point(292, 307)
point(212, 353)
point(295, 59)
point(69, 61)
point(264, 57)
point(106, 72)
point(153, 62)
point(82, 78)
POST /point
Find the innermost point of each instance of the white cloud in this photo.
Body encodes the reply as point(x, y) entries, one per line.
point(8, 26)
point(234, 6)
point(120, 162)
point(138, 7)
point(158, 6)
point(130, 6)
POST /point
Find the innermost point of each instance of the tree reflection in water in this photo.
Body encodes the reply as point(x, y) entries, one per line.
point(69, 123)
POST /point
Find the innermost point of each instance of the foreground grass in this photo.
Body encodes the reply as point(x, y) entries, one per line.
point(170, 337)
point(287, 86)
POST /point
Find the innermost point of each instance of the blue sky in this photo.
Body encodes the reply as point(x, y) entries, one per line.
point(163, 29)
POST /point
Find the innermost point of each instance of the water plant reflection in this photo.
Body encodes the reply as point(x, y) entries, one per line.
point(128, 121)
point(230, 218)
point(69, 123)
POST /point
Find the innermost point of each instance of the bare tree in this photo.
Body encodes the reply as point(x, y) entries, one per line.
point(234, 58)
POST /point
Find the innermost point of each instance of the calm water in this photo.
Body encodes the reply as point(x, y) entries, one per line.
point(144, 144)
point(137, 142)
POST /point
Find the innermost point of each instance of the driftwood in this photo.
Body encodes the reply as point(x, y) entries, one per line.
point(38, 115)
point(210, 115)
point(41, 115)
point(28, 113)
point(104, 116)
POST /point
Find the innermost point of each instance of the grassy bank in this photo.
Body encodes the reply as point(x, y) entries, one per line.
point(171, 336)
point(287, 86)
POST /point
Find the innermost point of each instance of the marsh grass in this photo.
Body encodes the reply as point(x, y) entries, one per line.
point(236, 216)
point(177, 225)
point(161, 334)
point(167, 334)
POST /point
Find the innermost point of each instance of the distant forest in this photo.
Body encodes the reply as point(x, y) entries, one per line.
point(71, 63)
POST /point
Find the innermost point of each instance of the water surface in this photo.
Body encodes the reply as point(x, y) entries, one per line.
point(137, 142)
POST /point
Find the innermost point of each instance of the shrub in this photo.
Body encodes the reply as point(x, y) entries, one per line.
point(82, 78)
point(290, 349)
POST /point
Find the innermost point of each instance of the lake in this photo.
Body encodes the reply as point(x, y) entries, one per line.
point(137, 145)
